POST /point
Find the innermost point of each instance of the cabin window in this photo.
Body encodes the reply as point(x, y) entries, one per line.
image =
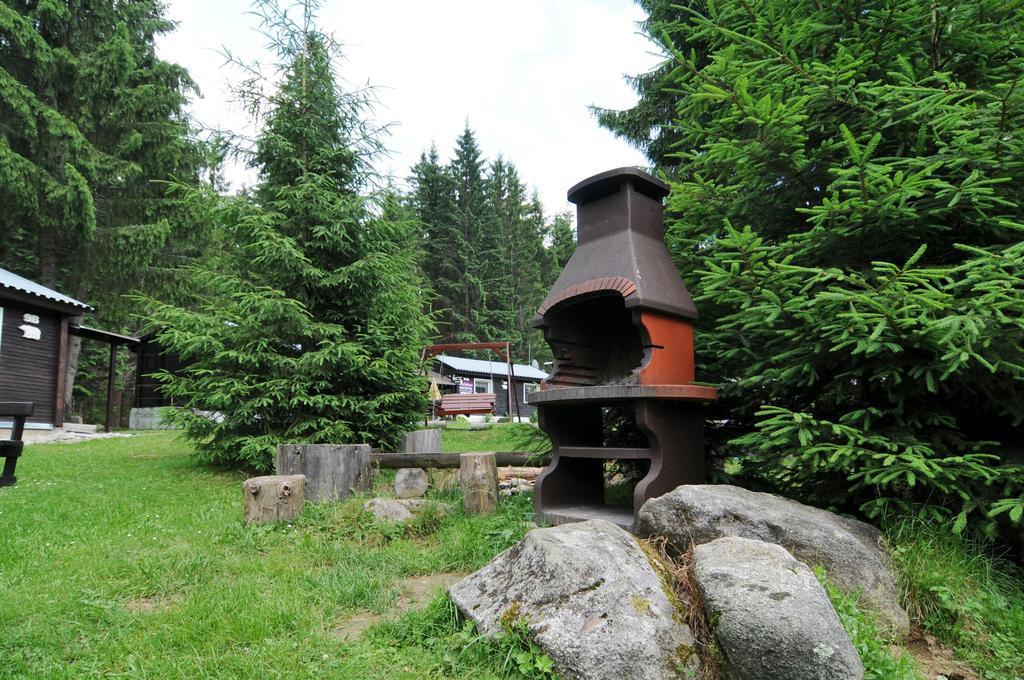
point(529, 388)
point(481, 386)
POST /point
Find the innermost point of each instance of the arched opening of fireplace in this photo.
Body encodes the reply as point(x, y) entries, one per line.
point(595, 342)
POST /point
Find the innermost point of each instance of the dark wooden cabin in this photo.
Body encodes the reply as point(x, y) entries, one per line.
point(34, 322)
point(153, 358)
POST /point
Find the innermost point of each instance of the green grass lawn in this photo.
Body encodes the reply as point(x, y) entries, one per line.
point(499, 437)
point(123, 558)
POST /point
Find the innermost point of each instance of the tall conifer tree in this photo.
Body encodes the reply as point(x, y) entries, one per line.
point(433, 200)
point(315, 332)
point(849, 184)
point(484, 238)
point(470, 203)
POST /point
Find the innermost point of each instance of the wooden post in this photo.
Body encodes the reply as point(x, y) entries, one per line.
point(111, 374)
point(62, 368)
point(273, 498)
point(333, 471)
point(478, 476)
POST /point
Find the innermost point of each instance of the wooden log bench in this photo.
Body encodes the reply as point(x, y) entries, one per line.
point(10, 450)
point(465, 404)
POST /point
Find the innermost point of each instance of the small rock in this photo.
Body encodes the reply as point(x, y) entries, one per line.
point(769, 614)
point(402, 509)
point(514, 485)
point(411, 482)
point(418, 504)
point(387, 510)
point(850, 551)
point(591, 600)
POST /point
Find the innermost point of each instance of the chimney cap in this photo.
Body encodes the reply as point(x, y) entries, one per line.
point(608, 182)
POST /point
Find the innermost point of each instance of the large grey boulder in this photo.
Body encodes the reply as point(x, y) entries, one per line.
point(850, 551)
point(590, 598)
point(770, 616)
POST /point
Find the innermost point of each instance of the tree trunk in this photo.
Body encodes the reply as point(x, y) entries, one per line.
point(478, 476)
point(333, 471)
point(273, 498)
point(419, 441)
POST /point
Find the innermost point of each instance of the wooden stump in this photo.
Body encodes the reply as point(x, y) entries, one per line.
point(478, 476)
point(273, 498)
point(333, 471)
point(421, 441)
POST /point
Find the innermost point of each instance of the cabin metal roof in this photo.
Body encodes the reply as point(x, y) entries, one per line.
point(480, 367)
point(19, 284)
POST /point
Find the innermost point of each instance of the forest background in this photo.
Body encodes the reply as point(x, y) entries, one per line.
point(847, 188)
point(98, 147)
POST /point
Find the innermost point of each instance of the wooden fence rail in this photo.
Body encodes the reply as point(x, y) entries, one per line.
point(452, 460)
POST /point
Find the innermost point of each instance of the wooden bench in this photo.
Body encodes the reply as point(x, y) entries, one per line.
point(10, 450)
point(464, 404)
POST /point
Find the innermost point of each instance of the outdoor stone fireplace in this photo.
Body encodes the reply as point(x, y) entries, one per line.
point(619, 323)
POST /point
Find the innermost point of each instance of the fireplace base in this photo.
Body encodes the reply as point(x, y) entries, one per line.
point(572, 487)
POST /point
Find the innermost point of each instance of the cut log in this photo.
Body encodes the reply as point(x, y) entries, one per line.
point(413, 482)
point(478, 477)
point(419, 441)
point(274, 498)
point(333, 471)
point(451, 460)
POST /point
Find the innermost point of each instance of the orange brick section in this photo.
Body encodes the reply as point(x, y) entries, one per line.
point(670, 342)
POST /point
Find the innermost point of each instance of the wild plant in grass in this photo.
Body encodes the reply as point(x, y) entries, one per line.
point(961, 593)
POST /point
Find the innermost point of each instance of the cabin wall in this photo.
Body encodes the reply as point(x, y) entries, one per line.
point(151, 359)
point(28, 366)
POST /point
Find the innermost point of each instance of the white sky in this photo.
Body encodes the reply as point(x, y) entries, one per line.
point(522, 73)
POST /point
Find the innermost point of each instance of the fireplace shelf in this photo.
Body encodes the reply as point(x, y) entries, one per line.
point(611, 393)
point(605, 453)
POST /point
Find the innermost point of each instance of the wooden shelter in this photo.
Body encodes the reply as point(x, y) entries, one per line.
point(35, 324)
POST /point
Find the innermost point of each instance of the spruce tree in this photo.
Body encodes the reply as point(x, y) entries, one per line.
point(92, 127)
point(433, 200)
point(848, 183)
point(563, 243)
point(515, 250)
point(311, 328)
point(470, 204)
point(484, 241)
